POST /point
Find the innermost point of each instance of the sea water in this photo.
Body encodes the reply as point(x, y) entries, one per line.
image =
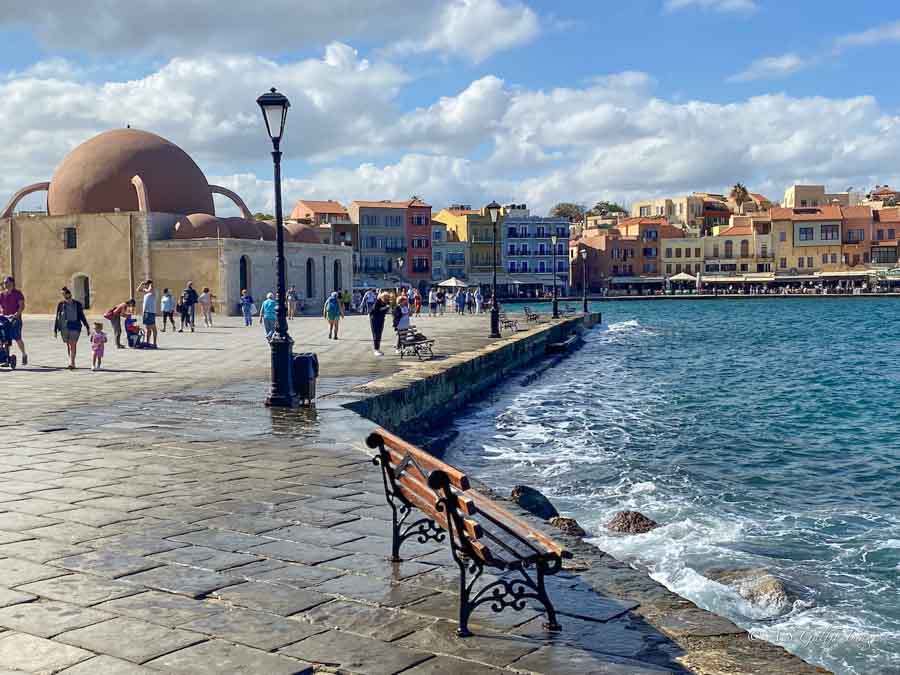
point(758, 433)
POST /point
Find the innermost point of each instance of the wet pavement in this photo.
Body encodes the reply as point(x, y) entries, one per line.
point(161, 519)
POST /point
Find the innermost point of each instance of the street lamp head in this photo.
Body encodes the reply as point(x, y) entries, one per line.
point(274, 106)
point(554, 239)
point(493, 210)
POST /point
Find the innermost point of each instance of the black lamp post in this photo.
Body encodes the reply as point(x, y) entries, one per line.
point(584, 254)
point(553, 241)
point(274, 108)
point(493, 210)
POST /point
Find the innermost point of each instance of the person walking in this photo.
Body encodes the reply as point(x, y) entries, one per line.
point(148, 307)
point(114, 316)
point(184, 312)
point(432, 302)
point(479, 301)
point(401, 318)
point(98, 342)
point(189, 298)
point(460, 302)
point(205, 301)
point(268, 313)
point(441, 302)
point(368, 301)
point(380, 308)
point(167, 307)
point(247, 307)
point(12, 306)
point(417, 303)
point(69, 320)
point(347, 299)
point(291, 302)
point(333, 311)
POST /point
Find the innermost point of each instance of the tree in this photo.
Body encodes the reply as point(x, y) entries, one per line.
point(740, 195)
point(263, 216)
point(574, 212)
point(603, 207)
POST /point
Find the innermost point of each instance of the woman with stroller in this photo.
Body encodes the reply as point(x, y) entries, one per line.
point(69, 320)
point(401, 318)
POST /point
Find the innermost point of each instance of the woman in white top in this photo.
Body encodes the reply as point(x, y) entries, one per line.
point(205, 301)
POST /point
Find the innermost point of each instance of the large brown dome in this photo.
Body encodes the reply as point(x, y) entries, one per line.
point(96, 176)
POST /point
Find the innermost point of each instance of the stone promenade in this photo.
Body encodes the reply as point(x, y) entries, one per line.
point(154, 517)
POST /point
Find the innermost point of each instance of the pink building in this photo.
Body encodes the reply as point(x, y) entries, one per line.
point(418, 243)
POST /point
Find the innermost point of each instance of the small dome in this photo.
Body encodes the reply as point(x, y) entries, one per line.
point(242, 228)
point(96, 176)
point(302, 234)
point(201, 226)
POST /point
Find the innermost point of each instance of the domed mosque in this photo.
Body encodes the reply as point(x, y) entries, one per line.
point(128, 205)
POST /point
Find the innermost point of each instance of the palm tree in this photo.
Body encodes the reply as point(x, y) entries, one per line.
point(740, 195)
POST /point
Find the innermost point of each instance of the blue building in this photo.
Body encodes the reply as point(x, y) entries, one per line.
point(528, 255)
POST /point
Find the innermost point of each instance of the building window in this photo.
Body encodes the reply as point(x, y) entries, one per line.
point(744, 267)
point(745, 248)
point(891, 234)
point(697, 253)
point(806, 234)
point(669, 253)
point(729, 249)
point(677, 252)
point(677, 268)
point(824, 258)
point(809, 261)
point(833, 258)
point(855, 259)
point(830, 232)
point(71, 237)
point(782, 236)
point(646, 211)
point(802, 203)
point(523, 266)
point(764, 250)
point(715, 251)
point(880, 235)
point(865, 257)
point(669, 268)
point(801, 262)
point(782, 263)
point(649, 252)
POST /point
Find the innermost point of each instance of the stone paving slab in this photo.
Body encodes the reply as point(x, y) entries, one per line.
point(217, 657)
point(47, 618)
point(254, 628)
point(31, 654)
point(355, 653)
point(107, 665)
point(130, 639)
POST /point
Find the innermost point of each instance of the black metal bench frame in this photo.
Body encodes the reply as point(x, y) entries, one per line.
point(507, 323)
point(413, 343)
point(499, 594)
point(531, 316)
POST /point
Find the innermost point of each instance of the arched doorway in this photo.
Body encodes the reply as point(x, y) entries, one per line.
point(81, 290)
point(245, 274)
point(310, 278)
point(337, 275)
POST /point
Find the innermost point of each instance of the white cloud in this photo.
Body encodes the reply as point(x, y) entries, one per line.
point(772, 67)
point(476, 29)
point(725, 6)
point(273, 26)
point(889, 32)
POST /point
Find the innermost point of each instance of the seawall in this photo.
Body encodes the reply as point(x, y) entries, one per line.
point(426, 392)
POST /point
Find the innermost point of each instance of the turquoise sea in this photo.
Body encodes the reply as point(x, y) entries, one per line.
point(759, 433)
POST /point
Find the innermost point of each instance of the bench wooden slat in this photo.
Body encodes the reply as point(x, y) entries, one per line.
point(488, 506)
point(398, 448)
point(425, 498)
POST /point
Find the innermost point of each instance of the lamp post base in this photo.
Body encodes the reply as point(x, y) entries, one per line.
point(495, 322)
point(281, 394)
point(585, 308)
point(555, 308)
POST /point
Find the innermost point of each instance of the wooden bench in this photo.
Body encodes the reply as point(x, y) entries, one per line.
point(480, 532)
point(415, 343)
point(531, 316)
point(507, 323)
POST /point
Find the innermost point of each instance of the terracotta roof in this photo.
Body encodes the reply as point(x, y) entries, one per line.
point(891, 215)
point(737, 231)
point(419, 203)
point(813, 213)
point(758, 197)
point(857, 211)
point(328, 206)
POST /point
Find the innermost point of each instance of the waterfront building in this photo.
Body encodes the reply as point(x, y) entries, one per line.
point(685, 211)
point(382, 239)
point(128, 205)
point(682, 254)
point(858, 235)
point(811, 196)
point(807, 240)
point(475, 228)
point(448, 254)
point(332, 221)
point(883, 196)
point(886, 230)
point(745, 247)
point(529, 251)
point(418, 243)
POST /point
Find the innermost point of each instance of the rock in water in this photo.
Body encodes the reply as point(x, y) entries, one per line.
point(757, 586)
point(631, 522)
point(569, 526)
point(534, 502)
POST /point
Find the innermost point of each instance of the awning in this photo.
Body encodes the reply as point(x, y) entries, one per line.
point(683, 276)
point(636, 280)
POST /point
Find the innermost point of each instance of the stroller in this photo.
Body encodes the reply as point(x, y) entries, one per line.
point(133, 333)
point(7, 360)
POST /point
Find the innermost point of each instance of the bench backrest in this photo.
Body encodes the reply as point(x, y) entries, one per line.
point(422, 480)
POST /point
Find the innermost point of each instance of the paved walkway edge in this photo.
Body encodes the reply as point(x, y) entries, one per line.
point(711, 644)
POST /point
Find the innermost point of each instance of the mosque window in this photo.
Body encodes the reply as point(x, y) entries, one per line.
point(71, 237)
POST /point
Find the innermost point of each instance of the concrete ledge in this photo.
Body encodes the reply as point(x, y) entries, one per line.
point(424, 392)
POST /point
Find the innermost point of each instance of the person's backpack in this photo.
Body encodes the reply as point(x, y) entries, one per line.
point(333, 305)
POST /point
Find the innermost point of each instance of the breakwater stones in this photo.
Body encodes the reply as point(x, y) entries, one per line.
point(631, 522)
point(758, 586)
point(538, 505)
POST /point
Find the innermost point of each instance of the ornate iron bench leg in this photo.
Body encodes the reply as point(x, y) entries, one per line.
point(465, 592)
point(552, 624)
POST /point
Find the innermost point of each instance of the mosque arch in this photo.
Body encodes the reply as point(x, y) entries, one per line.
point(21, 194)
point(244, 274)
point(81, 289)
point(233, 196)
point(337, 275)
point(310, 278)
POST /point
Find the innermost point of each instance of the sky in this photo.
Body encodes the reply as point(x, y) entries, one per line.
point(465, 101)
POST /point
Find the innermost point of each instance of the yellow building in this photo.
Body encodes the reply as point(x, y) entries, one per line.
point(128, 205)
point(475, 228)
point(744, 247)
point(807, 240)
point(682, 254)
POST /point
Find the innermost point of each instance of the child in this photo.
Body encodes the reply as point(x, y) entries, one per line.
point(98, 340)
point(167, 305)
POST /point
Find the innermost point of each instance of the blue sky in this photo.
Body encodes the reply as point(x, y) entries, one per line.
point(468, 100)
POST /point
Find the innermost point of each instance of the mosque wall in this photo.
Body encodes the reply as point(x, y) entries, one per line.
point(93, 254)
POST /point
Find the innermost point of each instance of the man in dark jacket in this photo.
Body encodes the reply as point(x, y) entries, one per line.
point(189, 298)
point(377, 314)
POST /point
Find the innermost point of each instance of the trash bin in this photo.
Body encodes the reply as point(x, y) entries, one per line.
point(306, 371)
